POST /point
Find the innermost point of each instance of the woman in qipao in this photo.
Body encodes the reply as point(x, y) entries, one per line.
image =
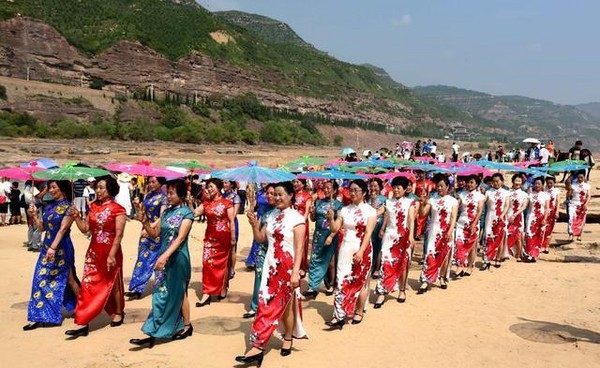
point(279, 296)
point(470, 203)
point(229, 192)
point(153, 205)
point(497, 205)
point(354, 256)
point(442, 209)
point(170, 315)
point(554, 200)
point(377, 201)
point(537, 220)
point(219, 239)
point(578, 205)
point(325, 242)
point(518, 201)
point(302, 202)
point(398, 240)
point(102, 282)
point(55, 283)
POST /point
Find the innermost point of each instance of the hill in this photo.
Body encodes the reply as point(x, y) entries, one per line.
point(518, 115)
point(592, 108)
point(269, 29)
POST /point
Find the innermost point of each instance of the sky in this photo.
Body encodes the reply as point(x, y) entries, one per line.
point(545, 49)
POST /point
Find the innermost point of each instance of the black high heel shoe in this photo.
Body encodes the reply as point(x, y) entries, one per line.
point(118, 323)
point(288, 351)
point(380, 304)
point(140, 342)
point(204, 303)
point(133, 295)
point(486, 266)
point(310, 294)
point(256, 358)
point(221, 297)
point(182, 334)
point(84, 331)
point(423, 290)
point(357, 321)
point(402, 300)
point(444, 286)
point(337, 324)
point(250, 314)
point(34, 325)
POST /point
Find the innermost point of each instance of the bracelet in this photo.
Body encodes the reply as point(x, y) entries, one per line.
point(53, 248)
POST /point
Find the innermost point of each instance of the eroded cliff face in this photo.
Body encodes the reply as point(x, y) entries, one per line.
point(129, 66)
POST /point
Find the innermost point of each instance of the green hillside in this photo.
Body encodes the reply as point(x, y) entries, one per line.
point(516, 114)
point(592, 108)
point(267, 28)
point(176, 29)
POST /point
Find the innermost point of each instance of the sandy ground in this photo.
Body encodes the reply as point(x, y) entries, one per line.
point(523, 315)
point(528, 315)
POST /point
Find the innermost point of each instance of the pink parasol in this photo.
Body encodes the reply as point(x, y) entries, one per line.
point(144, 168)
point(20, 173)
point(526, 164)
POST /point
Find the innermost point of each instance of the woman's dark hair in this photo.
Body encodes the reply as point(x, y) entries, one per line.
point(179, 186)
point(112, 185)
point(498, 175)
point(474, 177)
point(161, 180)
point(134, 180)
point(441, 177)
point(65, 187)
point(334, 184)
point(15, 184)
point(551, 178)
point(517, 176)
point(217, 182)
point(233, 184)
point(401, 181)
point(271, 185)
point(378, 181)
point(539, 178)
point(362, 185)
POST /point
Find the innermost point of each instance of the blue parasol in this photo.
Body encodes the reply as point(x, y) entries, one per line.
point(252, 173)
point(566, 167)
point(493, 165)
point(347, 151)
point(373, 164)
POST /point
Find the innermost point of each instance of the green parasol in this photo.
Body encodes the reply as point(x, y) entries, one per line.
point(70, 172)
point(192, 166)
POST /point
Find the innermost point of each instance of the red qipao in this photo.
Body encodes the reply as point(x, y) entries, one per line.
point(301, 198)
point(97, 282)
point(217, 246)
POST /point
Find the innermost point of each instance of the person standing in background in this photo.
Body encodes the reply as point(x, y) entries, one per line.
point(242, 185)
point(544, 156)
point(455, 148)
point(89, 193)
point(78, 200)
point(15, 204)
point(33, 196)
point(575, 151)
point(4, 200)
